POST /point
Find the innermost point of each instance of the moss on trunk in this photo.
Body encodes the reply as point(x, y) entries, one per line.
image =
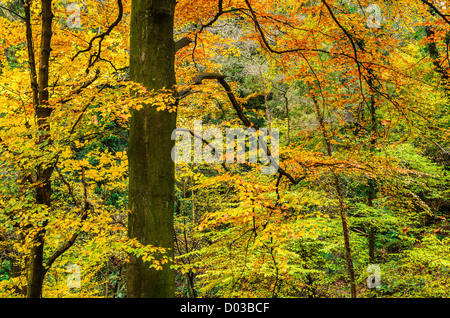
point(151, 169)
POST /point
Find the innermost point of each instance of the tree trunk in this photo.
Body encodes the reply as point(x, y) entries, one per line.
point(372, 183)
point(345, 231)
point(342, 214)
point(43, 189)
point(151, 169)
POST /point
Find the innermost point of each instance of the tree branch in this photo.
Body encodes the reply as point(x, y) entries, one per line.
point(433, 7)
point(84, 110)
point(31, 56)
point(13, 12)
point(181, 43)
point(221, 79)
point(74, 236)
point(237, 107)
point(75, 201)
point(101, 37)
point(203, 140)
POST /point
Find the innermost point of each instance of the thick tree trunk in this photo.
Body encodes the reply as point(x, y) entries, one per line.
point(151, 169)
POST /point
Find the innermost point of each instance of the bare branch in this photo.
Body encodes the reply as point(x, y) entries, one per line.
point(237, 107)
point(181, 43)
point(96, 56)
point(69, 187)
point(13, 12)
point(74, 236)
point(84, 110)
point(433, 7)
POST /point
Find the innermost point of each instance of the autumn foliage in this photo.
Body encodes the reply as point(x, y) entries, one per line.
point(357, 89)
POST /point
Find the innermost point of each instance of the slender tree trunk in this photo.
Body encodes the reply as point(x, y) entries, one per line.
point(151, 169)
point(348, 250)
point(372, 184)
point(342, 214)
point(435, 55)
point(371, 244)
point(43, 189)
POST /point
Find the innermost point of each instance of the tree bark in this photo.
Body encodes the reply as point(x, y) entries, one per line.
point(43, 189)
point(151, 169)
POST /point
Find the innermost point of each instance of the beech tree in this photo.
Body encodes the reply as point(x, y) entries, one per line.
point(60, 109)
point(90, 95)
point(152, 172)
